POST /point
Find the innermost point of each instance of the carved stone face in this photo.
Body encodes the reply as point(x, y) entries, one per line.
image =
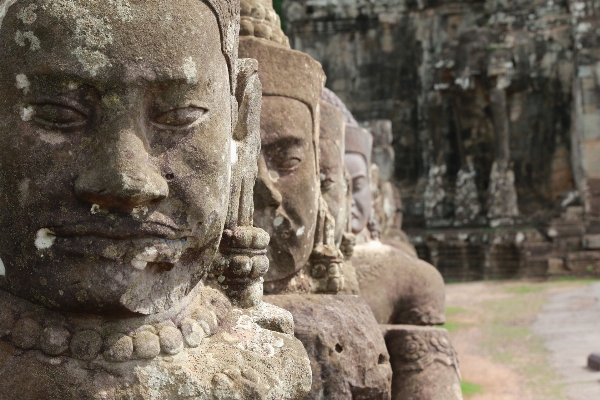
point(116, 151)
point(361, 190)
point(334, 187)
point(286, 191)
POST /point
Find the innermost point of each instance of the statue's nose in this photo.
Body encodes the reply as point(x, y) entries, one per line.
point(265, 192)
point(122, 176)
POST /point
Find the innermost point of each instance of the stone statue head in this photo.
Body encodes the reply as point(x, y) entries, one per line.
point(383, 154)
point(286, 194)
point(120, 148)
point(358, 144)
point(334, 186)
point(358, 161)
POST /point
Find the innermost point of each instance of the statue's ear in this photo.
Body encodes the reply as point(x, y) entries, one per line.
point(246, 144)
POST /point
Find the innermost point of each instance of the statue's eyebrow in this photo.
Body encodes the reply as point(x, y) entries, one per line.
point(273, 141)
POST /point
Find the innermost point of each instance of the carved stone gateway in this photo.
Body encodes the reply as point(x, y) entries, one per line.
point(130, 268)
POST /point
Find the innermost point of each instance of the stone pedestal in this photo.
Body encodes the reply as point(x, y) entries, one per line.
point(347, 352)
point(424, 362)
point(204, 350)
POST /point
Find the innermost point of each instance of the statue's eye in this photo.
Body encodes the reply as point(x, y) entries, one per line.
point(58, 116)
point(327, 183)
point(180, 118)
point(359, 184)
point(289, 163)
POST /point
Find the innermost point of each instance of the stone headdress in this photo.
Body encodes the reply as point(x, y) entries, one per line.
point(228, 19)
point(358, 140)
point(282, 71)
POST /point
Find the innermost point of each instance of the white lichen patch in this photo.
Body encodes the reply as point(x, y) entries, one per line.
point(278, 221)
point(22, 83)
point(27, 113)
point(93, 32)
point(27, 14)
point(21, 38)
point(44, 239)
point(139, 212)
point(2, 268)
point(234, 155)
point(141, 265)
point(52, 138)
point(123, 10)
point(91, 60)
point(300, 231)
point(190, 71)
point(256, 339)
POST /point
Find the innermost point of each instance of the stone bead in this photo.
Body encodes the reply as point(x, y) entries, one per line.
point(86, 345)
point(147, 328)
point(243, 237)
point(262, 31)
point(260, 265)
point(245, 8)
point(318, 271)
point(270, 15)
point(54, 340)
point(146, 345)
point(258, 12)
point(119, 348)
point(334, 284)
point(246, 28)
point(7, 320)
point(240, 265)
point(193, 333)
point(171, 340)
point(333, 269)
point(25, 333)
point(260, 240)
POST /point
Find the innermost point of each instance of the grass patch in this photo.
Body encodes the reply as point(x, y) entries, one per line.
point(452, 311)
point(469, 388)
point(525, 289)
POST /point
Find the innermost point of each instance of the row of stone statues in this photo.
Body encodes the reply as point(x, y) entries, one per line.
point(158, 171)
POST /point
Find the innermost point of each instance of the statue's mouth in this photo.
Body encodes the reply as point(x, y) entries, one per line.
point(134, 230)
point(136, 250)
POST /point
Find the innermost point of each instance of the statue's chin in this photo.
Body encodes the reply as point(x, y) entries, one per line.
point(90, 284)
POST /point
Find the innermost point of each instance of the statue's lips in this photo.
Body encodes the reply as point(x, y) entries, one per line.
point(137, 251)
point(143, 230)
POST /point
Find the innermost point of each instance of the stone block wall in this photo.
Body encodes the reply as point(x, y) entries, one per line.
point(496, 120)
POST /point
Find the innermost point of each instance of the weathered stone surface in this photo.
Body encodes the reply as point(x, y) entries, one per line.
point(118, 348)
point(54, 340)
point(405, 291)
point(86, 345)
point(146, 345)
point(424, 362)
point(26, 333)
point(131, 136)
point(348, 356)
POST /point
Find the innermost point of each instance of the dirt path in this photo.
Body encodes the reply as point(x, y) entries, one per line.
point(499, 330)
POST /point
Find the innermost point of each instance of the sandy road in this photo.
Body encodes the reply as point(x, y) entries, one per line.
point(523, 340)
